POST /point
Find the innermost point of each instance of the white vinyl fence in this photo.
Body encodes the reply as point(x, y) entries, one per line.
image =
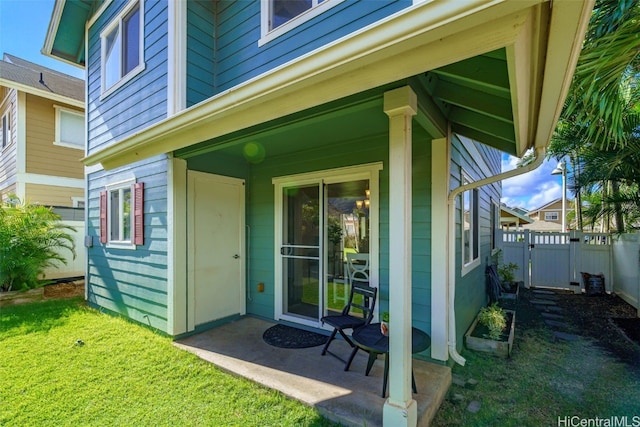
point(556, 260)
point(74, 267)
point(626, 268)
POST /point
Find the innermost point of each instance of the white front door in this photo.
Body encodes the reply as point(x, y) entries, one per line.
point(215, 247)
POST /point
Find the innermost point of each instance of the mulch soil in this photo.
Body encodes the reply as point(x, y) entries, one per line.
point(610, 322)
point(64, 289)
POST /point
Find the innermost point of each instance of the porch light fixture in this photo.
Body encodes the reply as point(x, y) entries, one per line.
point(561, 170)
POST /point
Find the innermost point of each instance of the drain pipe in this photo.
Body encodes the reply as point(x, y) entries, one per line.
point(451, 259)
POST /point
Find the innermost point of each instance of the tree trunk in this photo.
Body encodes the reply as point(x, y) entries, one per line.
point(619, 217)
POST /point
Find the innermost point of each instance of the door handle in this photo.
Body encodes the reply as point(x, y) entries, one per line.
point(236, 256)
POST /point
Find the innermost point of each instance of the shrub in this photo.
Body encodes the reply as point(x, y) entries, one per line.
point(494, 318)
point(30, 237)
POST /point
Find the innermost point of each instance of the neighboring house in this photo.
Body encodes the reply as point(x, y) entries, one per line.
point(43, 136)
point(220, 133)
point(549, 216)
point(513, 217)
point(42, 144)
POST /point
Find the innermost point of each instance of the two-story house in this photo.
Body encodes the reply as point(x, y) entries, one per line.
point(226, 139)
point(548, 217)
point(43, 134)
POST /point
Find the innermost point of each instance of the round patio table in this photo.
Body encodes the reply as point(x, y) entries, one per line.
point(370, 339)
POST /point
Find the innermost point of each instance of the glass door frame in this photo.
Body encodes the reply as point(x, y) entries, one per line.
point(330, 176)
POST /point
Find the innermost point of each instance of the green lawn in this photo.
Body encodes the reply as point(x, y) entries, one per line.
point(123, 374)
point(544, 381)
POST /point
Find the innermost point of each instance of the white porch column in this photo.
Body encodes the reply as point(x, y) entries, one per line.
point(439, 247)
point(400, 409)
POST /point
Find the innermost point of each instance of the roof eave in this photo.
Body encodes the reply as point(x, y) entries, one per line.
point(567, 28)
point(41, 93)
point(52, 33)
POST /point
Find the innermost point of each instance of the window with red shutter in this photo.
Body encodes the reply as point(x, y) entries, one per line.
point(121, 215)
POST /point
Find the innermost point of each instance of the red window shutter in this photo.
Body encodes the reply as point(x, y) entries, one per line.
point(103, 217)
point(138, 213)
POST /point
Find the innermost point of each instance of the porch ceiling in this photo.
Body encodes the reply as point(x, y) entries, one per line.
point(354, 118)
point(475, 96)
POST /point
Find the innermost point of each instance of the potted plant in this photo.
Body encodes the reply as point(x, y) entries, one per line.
point(509, 288)
point(384, 323)
point(492, 331)
point(508, 279)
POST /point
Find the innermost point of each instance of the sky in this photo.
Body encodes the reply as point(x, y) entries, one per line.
point(23, 28)
point(532, 189)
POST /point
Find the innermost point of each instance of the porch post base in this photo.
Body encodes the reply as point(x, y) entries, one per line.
point(400, 414)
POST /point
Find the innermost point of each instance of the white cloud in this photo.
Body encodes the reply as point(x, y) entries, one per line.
point(532, 189)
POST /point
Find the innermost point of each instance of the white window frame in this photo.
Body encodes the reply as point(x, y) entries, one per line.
point(76, 202)
point(58, 140)
point(117, 23)
point(6, 129)
point(549, 216)
point(474, 219)
point(267, 34)
point(120, 243)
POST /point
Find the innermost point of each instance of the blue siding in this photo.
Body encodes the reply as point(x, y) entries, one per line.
point(240, 58)
point(201, 43)
point(470, 289)
point(235, 52)
point(132, 283)
point(130, 108)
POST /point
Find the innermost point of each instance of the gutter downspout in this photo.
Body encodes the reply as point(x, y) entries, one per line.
point(451, 259)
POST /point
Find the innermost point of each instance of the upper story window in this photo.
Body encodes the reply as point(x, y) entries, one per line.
point(69, 128)
point(470, 227)
point(6, 129)
point(280, 16)
point(551, 216)
point(122, 47)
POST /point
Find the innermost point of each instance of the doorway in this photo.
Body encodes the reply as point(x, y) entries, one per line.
point(321, 218)
point(216, 266)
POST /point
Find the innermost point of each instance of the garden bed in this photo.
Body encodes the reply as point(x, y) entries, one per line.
point(477, 338)
point(59, 290)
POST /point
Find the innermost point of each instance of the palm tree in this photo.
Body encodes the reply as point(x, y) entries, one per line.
point(599, 126)
point(606, 80)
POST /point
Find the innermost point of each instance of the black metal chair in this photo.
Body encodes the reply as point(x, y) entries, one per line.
point(358, 312)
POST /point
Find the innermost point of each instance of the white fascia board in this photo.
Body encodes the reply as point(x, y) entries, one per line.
point(387, 51)
point(568, 25)
point(42, 93)
point(54, 23)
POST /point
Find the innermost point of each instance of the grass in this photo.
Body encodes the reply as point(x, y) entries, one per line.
point(543, 380)
point(123, 374)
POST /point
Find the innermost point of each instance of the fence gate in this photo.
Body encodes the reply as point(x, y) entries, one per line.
point(555, 260)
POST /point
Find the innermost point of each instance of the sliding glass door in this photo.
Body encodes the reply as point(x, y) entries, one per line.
point(323, 222)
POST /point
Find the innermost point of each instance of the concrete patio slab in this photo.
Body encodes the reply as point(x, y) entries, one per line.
point(350, 398)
